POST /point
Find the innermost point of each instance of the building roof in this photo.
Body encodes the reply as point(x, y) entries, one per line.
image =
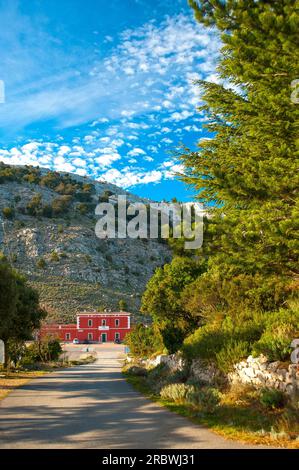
point(103, 313)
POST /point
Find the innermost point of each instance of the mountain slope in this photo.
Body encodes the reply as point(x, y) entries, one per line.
point(48, 232)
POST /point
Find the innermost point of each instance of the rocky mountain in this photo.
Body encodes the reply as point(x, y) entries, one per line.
point(47, 230)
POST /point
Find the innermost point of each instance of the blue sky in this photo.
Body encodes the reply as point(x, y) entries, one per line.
point(104, 89)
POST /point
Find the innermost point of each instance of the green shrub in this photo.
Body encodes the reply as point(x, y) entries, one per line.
point(48, 349)
point(54, 256)
point(15, 350)
point(226, 341)
point(205, 342)
point(272, 398)
point(144, 341)
point(34, 206)
point(61, 204)
point(275, 345)
point(179, 376)
point(83, 208)
point(41, 263)
point(231, 353)
point(8, 212)
point(122, 305)
point(176, 392)
point(280, 329)
point(136, 370)
point(205, 399)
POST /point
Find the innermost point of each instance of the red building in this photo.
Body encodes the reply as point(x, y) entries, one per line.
point(93, 327)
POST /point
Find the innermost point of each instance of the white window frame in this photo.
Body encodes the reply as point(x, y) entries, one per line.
point(117, 322)
point(90, 336)
point(104, 322)
point(67, 336)
point(89, 322)
point(117, 336)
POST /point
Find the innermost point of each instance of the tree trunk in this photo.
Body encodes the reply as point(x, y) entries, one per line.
point(6, 358)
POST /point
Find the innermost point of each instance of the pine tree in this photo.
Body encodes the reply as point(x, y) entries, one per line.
point(247, 172)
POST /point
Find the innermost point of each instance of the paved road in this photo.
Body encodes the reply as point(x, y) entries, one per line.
point(92, 406)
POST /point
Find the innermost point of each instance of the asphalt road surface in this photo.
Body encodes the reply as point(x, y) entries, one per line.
point(93, 407)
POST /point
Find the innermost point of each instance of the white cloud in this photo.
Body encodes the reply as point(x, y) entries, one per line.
point(79, 162)
point(80, 171)
point(174, 48)
point(180, 116)
point(130, 178)
point(106, 160)
point(135, 152)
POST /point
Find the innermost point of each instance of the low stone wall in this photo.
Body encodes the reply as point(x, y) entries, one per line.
point(202, 372)
point(258, 372)
point(173, 361)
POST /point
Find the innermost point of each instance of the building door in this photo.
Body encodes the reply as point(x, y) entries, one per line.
point(104, 338)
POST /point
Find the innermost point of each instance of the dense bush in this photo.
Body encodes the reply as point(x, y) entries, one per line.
point(8, 212)
point(82, 208)
point(136, 370)
point(54, 256)
point(61, 204)
point(231, 353)
point(205, 399)
point(176, 392)
point(212, 291)
point(227, 340)
point(275, 344)
point(272, 398)
point(16, 349)
point(34, 206)
point(144, 341)
point(161, 376)
point(205, 342)
point(48, 349)
point(41, 263)
point(280, 329)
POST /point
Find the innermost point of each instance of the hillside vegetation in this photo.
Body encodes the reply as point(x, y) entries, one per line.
point(47, 232)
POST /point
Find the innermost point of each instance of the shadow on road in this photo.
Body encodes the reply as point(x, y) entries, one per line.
point(92, 406)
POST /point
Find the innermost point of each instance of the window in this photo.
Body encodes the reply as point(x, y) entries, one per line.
point(90, 336)
point(67, 336)
point(89, 322)
point(104, 322)
point(117, 336)
point(117, 322)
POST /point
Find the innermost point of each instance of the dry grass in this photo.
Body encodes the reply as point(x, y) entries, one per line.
point(11, 380)
point(240, 416)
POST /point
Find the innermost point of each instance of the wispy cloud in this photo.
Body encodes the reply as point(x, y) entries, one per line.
point(132, 105)
point(139, 76)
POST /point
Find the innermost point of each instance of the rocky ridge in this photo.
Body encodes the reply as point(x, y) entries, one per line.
point(60, 253)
